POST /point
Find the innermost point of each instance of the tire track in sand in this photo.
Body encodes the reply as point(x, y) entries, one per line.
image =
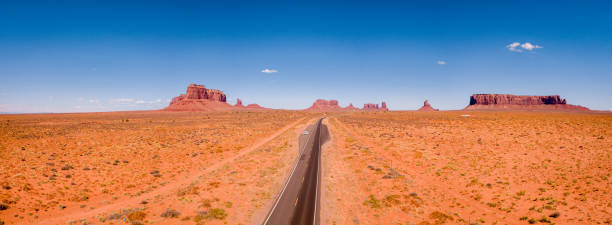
point(169, 187)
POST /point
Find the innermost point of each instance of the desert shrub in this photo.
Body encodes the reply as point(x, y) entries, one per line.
point(192, 189)
point(372, 202)
point(137, 215)
point(67, 167)
point(207, 203)
point(216, 213)
point(170, 213)
point(555, 215)
point(544, 220)
point(439, 217)
point(391, 200)
point(113, 216)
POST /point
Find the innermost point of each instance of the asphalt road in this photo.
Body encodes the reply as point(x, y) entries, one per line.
point(298, 202)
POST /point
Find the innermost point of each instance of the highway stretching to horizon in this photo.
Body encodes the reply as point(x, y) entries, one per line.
point(298, 202)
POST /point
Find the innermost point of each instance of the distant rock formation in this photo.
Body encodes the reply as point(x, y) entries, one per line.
point(350, 107)
point(199, 98)
point(332, 105)
point(254, 106)
point(325, 105)
point(374, 107)
point(370, 106)
point(238, 103)
point(519, 102)
point(427, 107)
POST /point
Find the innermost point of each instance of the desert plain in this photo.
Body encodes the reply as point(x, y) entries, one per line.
point(379, 167)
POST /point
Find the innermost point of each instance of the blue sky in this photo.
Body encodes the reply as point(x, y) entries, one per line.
point(73, 56)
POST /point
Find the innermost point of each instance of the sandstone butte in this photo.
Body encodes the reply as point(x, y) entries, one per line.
point(520, 102)
point(374, 107)
point(332, 105)
point(199, 98)
point(427, 107)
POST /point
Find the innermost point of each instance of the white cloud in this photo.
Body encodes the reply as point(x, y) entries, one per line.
point(158, 100)
point(528, 46)
point(77, 106)
point(440, 62)
point(512, 47)
point(518, 47)
point(269, 71)
point(93, 101)
point(140, 102)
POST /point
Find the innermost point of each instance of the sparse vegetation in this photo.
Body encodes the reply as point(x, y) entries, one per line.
point(372, 202)
point(459, 163)
point(216, 213)
point(170, 213)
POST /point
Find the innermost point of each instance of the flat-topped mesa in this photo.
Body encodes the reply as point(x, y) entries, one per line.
point(198, 98)
point(196, 91)
point(427, 107)
point(507, 101)
point(504, 99)
point(325, 105)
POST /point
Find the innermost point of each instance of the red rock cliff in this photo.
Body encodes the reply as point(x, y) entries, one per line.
point(501, 99)
point(196, 91)
point(506, 101)
point(198, 98)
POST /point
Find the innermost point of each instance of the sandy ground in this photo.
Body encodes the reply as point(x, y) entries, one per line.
point(144, 167)
point(378, 168)
point(485, 168)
